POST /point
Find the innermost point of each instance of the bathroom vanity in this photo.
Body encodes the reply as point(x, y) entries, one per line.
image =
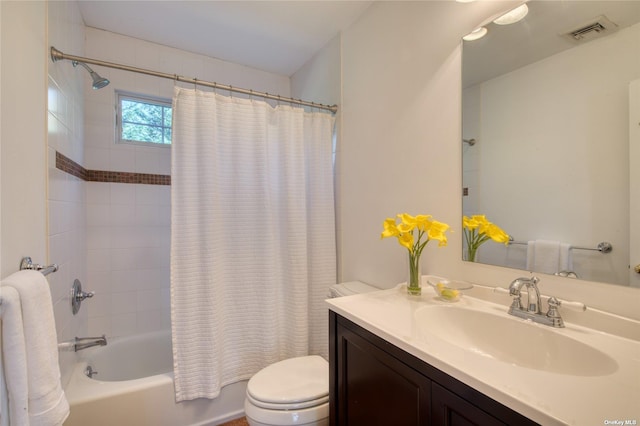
point(399, 359)
point(376, 383)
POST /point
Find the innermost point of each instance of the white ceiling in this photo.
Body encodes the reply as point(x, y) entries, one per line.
point(274, 36)
point(539, 35)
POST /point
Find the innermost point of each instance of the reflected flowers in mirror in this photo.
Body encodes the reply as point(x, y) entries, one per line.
point(478, 230)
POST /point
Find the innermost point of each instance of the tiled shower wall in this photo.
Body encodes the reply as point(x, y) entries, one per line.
point(128, 242)
point(128, 225)
point(66, 193)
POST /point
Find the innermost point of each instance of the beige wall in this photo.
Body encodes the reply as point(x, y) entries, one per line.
point(23, 169)
point(401, 146)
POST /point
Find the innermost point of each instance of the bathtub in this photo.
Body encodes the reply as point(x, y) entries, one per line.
point(134, 386)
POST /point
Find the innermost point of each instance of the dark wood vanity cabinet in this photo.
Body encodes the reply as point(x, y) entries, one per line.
point(373, 382)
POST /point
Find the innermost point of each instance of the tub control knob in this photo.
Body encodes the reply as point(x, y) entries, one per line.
point(77, 296)
point(84, 295)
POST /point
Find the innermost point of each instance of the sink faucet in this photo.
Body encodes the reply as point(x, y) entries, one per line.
point(80, 343)
point(532, 311)
point(533, 294)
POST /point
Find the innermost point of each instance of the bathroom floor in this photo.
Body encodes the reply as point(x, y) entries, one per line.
point(237, 422)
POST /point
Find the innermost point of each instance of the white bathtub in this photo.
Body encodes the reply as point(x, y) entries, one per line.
point(134, 386)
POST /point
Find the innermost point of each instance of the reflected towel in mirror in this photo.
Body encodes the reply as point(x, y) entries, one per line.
point(548, 256)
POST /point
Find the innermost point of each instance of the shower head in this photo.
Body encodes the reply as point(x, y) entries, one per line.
point(98, 82)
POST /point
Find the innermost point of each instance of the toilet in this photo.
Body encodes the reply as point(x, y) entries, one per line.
point(295, 391)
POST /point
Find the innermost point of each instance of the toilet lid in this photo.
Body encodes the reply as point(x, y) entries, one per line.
point(302, 381)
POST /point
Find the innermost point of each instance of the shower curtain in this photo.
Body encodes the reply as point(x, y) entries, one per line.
point(252, 237)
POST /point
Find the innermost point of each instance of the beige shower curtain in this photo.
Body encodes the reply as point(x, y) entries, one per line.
point(252, 240)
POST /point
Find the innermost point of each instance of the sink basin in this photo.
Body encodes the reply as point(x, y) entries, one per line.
point(512, 340)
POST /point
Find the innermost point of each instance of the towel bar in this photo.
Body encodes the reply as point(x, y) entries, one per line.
point(603, 247)
point(26, 263)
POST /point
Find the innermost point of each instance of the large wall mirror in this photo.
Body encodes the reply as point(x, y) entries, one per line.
point(547, 126)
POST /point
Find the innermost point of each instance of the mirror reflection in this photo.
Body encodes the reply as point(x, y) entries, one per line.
point(546, 139)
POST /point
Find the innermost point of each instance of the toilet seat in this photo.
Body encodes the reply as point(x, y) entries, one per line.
point(293, 383)
point(289, 406)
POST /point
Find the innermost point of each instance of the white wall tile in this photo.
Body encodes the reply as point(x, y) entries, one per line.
point(121, 159)
point(66, 197)
point(98, 326)
point(148, 300)
point(122, 215)
point(123, 281)
point(98, 193)
point(99, 305)
point(123, 303)
point(98, 215)
point(99, 260)
point(99, 237)
point(124, 325)
point(148, 194)
point(148, 321)
point(123, 193)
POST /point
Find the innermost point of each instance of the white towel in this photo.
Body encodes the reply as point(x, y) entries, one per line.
point(566, 258)
point(549, 257)
point(48, 405)
point(14, 358)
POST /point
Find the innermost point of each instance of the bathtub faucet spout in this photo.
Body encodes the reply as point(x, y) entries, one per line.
point(81, 343)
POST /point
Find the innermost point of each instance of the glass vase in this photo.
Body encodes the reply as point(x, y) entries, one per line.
point(414, 286)
point(471, 254)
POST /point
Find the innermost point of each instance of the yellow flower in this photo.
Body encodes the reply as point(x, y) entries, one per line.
point(437, 232)
point(477, 230)
point(497, 234)
point(405, 231)
point(390, 228)
point(410, 232)
point(470, 222)
point(406, 240)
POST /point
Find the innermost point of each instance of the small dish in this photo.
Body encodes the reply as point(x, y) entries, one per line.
point(448, 290)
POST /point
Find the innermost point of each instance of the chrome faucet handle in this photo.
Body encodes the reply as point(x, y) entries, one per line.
point(553, 314)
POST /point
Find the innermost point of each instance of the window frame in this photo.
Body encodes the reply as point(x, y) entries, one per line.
point(141, 98)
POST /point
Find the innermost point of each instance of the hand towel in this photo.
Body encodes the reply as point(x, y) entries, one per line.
point(566, 258)
point(543, 256)
point(47, 403)
point(14, 358)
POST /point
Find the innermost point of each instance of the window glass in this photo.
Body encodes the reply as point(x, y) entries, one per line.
point(143, 119)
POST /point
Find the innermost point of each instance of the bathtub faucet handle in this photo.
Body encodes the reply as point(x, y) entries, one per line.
point(77, 296)
point(84, 295)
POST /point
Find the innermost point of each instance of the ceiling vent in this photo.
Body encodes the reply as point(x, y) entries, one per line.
point(596, 28)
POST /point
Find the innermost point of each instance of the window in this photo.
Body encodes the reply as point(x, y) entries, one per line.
point(143, 119)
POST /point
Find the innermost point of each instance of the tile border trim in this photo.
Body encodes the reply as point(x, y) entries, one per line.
point(69, 166)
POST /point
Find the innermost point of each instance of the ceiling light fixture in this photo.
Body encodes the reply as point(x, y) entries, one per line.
point(475, 34)
point(513, 16)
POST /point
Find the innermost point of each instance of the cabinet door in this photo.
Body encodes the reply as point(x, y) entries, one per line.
point(451, 410)
point(375, 388)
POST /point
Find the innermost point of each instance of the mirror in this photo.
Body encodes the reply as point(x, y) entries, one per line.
point(546, 152)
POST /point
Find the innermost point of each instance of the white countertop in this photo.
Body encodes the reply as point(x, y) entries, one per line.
point(545, 397)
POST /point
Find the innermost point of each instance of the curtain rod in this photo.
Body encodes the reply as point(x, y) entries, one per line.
point(57, 55)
